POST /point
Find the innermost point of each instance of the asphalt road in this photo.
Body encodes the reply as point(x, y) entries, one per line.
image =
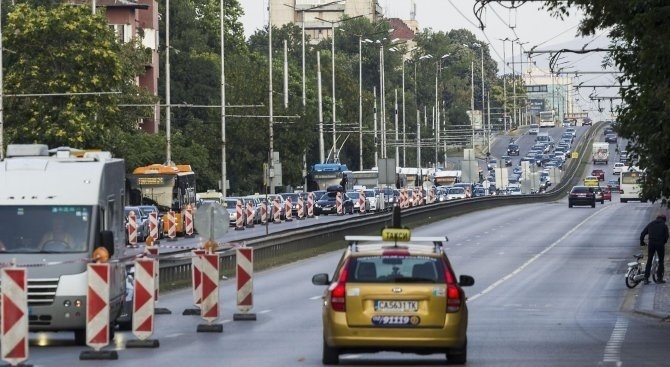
point(549, 291)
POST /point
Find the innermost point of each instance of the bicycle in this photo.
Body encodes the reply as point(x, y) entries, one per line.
point(635, 273)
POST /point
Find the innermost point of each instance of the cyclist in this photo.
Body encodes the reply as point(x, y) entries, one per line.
point(658, 236)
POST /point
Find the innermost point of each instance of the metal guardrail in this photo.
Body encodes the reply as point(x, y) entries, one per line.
point(175, 271)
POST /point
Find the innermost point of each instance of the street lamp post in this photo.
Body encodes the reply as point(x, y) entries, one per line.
point(472, 101)
point(481, 49)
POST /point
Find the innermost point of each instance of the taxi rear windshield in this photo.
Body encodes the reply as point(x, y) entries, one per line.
point(396, 268)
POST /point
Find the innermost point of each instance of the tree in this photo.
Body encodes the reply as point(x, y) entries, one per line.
point(638, 30)
point(76, 74)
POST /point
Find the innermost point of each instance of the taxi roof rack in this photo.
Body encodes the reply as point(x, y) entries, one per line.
point(357, 243)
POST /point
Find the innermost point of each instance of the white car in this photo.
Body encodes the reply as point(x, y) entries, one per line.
point(534, 129)
point(372, 199)
point(618, 168)
point(455, 193)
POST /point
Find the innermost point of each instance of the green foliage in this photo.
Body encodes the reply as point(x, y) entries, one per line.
point(639, 30)
point(62, 56)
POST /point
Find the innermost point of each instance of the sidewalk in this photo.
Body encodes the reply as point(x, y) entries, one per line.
point(654, 299)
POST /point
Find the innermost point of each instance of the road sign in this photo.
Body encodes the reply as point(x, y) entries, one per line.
point(211, 221)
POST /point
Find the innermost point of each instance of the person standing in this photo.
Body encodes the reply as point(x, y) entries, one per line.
point(657, 232)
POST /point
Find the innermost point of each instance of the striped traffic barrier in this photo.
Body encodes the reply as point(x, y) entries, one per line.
point(188, 221)
point(132, 229)
point(415, 197)
point(420, 196)
point(250, 214)
point(239, 216)
point(338, 203)
point(209, 307)
point(196, 279)
point(276, 211)
point(153, 227)
point(288, 210)
point(361, 202)
point(152, 251)
point(244, 274)
point(97, 313)
point(172, 226)
point(301, 208)
point(144, 291)
point(264, 212)
point(403, 198)
point(310, 205)
point(14, 315)
point(431, 195)
point(467, 193)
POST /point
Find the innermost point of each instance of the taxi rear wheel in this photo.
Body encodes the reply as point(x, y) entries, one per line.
point(458, 356)
point(331, 355)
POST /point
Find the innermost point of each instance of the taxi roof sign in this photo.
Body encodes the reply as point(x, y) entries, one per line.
point(396, 234)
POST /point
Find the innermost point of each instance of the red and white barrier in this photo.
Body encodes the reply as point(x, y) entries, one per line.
point(276, 212)
point(250, 214)
point(153, 252)
point(244, 275)
point(403, 198)
point(310, 205)
point(172, 225)
point(288, 210)
point(420, 196)
point(264, 212)
point(97, 306)
point(132, 229)
point(467, 193)
point(338, 203)
point(14, 316)
point(153, 226)
point(301, 208)
point(196, 276)
point(209, 307)
point(361, 202)
point(239, 219)
point(431, 195)
point(143, 298)
point(188, 221)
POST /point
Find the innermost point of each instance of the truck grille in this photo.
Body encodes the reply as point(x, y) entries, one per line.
point(41, 292)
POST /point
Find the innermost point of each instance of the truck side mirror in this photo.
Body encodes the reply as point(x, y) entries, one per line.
point(107, 241)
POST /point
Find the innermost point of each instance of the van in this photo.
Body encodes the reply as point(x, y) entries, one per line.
point(534, 129)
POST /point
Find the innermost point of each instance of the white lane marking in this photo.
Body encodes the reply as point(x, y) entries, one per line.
point(265, 311)
point(532, 259)
point(315, 298)
point(174, 335)
point(613, 348)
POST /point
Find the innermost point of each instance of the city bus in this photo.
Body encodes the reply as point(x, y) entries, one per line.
point(327, 174)
point(547, 119)
point(630, 187)
point(168, 187)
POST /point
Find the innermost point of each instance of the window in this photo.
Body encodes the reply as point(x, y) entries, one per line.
point(536, 88)
point(123, 32)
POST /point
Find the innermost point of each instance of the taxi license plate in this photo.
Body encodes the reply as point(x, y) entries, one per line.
point(395, 320)
point(396, 306)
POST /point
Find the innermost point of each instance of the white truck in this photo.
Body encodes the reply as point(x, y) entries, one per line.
point(83, 193)
point(600, 153)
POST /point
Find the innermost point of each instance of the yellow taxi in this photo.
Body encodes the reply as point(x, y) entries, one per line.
point(591, 181)
point(394, 292)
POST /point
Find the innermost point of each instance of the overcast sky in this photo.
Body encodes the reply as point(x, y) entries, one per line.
point(529, 24)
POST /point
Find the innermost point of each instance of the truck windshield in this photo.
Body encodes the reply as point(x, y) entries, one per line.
point(44, 229)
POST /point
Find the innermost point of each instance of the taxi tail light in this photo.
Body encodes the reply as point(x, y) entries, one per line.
point(453, 298)
point(338, 292)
